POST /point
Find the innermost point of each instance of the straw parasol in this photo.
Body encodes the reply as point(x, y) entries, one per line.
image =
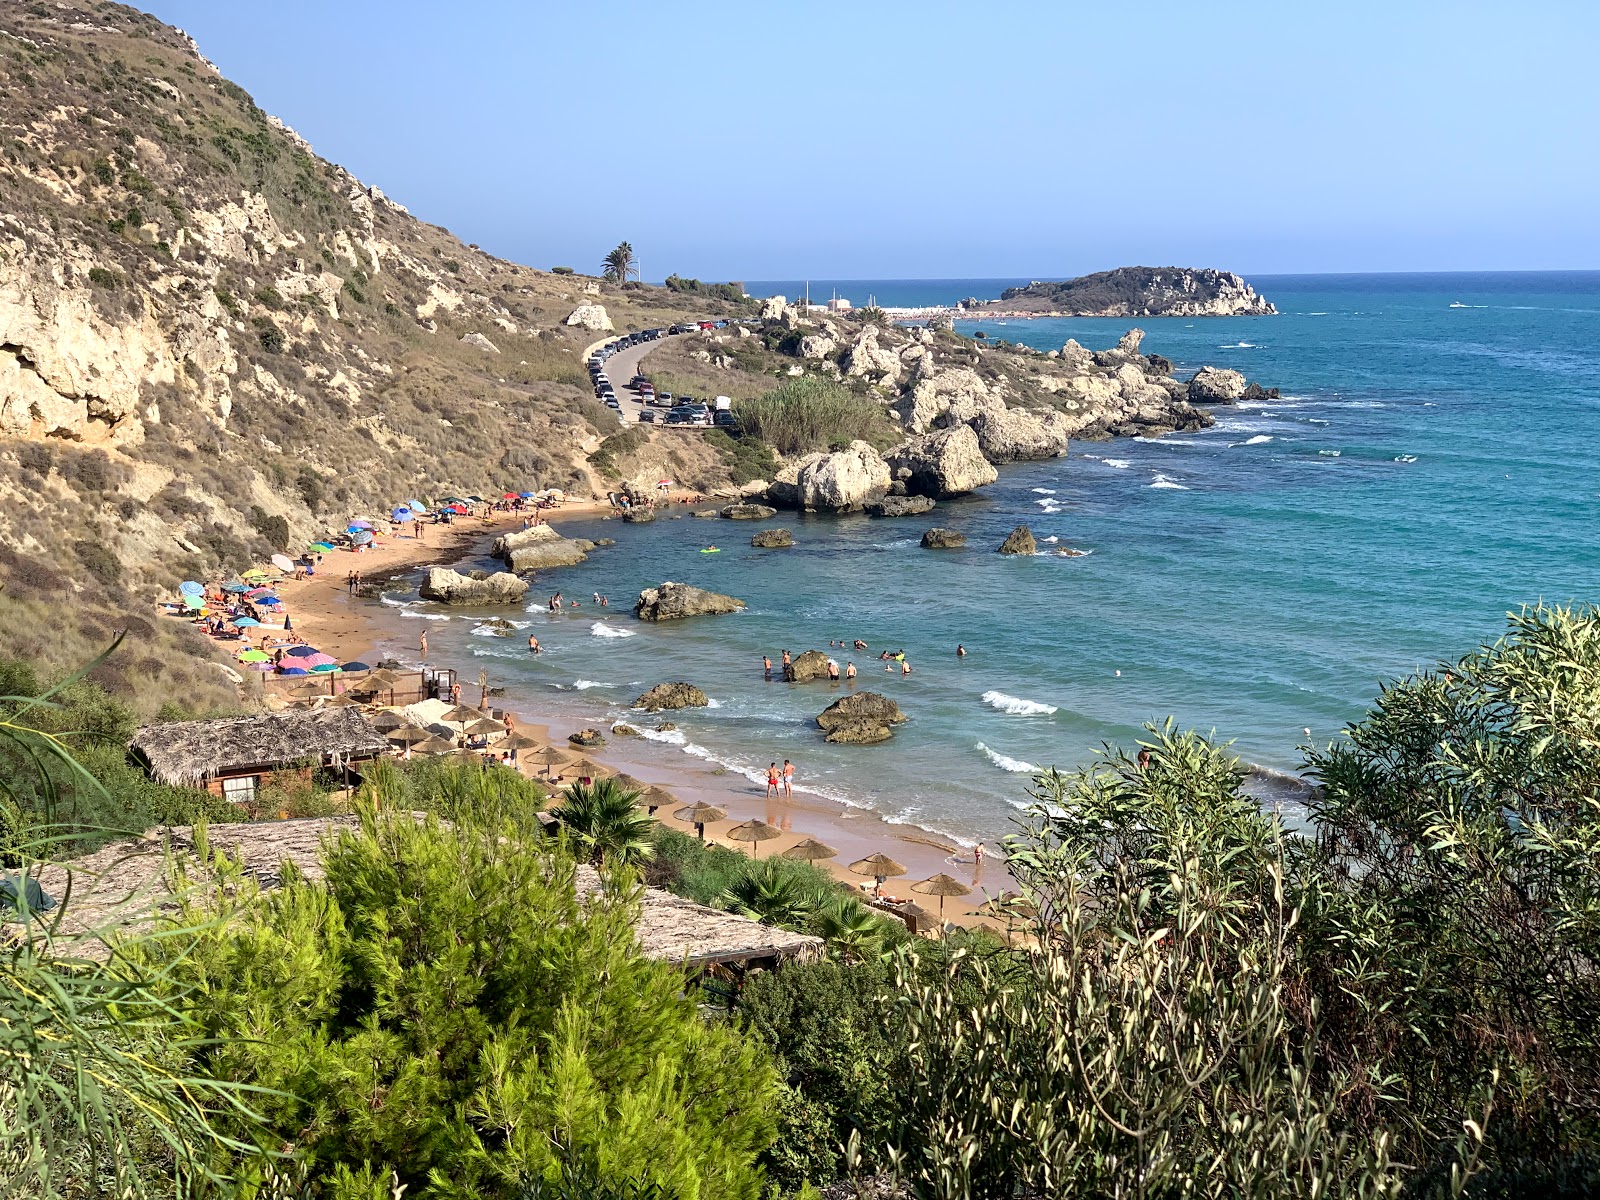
point(459, 715)
point(630, 784)
point(700, 815)
point(313, 690)
point(389, 719)
point(382, 680)
point(549, 755)
point(656, 797)
point(941, 885)
point(754, 832)
point(483, 725)
point(879, 866)
point(810, 850)
point(408, 735)
point(434, 745)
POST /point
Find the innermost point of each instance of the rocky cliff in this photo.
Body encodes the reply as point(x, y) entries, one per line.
point(1136, 292)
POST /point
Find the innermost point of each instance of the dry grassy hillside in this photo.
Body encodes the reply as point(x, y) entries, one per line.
point(214, 344)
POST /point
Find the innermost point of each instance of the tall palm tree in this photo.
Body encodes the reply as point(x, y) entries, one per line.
point(606, 824)
point(621, 265)
point(771, 894)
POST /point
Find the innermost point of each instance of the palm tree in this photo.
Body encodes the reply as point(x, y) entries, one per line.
point(853, 932)
point(606, 823)
point(620, 265)
point(773, 894)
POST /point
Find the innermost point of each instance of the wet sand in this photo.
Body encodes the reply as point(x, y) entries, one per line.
point(327, 617)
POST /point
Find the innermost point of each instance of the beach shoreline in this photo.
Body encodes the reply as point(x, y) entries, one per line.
point(356, 627)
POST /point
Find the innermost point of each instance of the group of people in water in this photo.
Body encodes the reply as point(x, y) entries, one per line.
point(557, 602)
point(889, 659)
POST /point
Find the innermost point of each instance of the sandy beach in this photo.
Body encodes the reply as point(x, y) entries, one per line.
point(326, 616)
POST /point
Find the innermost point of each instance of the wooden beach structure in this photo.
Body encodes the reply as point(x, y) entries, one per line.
point(235, 757)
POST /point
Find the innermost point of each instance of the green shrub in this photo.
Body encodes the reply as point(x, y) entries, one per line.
point(634, 437)
point(443, 1012)
point(99, 560)
point(562, 271)
point(272, 526)
point(746, 458)
point(806, 414)
point(310, 486)
point(271, 337)
point(104, 277)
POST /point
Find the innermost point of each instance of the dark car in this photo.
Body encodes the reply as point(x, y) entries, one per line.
point(723, 419)
point(647, 417)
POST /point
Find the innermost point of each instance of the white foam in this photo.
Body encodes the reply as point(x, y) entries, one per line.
point(537, 608)
point(1006, 763)
point(1120, 464)
point(1161, 481)
point(1318, 420)
point(1238, 346)
point(1016, 706)
point(1045, 491)
point(671, 737)
point(1050, 541)
point(1330, 453)
point(1405, 458)
point(425, 616)
point(583, 685)
point(601, 629)
point(1260, 439)
point(393, 603)
point(713, 703)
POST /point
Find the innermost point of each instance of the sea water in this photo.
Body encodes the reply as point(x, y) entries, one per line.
point(1427, 469)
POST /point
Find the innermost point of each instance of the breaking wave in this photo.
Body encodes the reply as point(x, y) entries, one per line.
point(601, 629)
point(1016, 706)
point(1161, 481)
point(1006, 763)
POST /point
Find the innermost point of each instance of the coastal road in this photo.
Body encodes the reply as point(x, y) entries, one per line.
point(623, 366)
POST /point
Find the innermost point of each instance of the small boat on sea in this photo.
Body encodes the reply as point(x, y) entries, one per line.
point(1458, 304)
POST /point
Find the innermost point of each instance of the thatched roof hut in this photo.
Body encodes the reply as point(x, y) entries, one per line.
point(121, 885)
point(191, 753)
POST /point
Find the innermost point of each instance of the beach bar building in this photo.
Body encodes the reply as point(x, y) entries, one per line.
point(234, 757)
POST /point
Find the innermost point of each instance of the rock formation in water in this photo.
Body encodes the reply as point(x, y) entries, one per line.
point(864, 718)
point(1137, 292)
point(674, 601)
point(671, 696)
point(773, 539)
point(1019, 541)
point(451, 587)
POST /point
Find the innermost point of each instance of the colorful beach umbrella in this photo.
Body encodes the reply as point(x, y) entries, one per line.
point(301, 651)
point(356, 666)
point(268, 602)
point(255, 656)
point(235, 589)
point(193, 602)
point(324, 668)
point(401, 514)
point(528, 495)
point(363, 538)
point(190, 588)
point(323, 546)
point(243, 622)
point(416, 506)
point(294, 671)
point(355, 525)
point(254, 573)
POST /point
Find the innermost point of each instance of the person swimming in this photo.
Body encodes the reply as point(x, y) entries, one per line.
point(850, 670)
point(961, 651)
point(766, 664)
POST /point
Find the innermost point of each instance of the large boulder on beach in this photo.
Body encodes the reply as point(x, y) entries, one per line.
point(773, 539)
point(747, 512)
point(862, 719)
point(671, 695)
point(1019, 541)
point(842, 481)
point(588, 738)
point(590, 316)
point(943, 539)
point(452, 587)
point(674, 601)
point(639, 515)
point(540, 548)
point(1216, 385)
point(900, 506)
point(943, 464)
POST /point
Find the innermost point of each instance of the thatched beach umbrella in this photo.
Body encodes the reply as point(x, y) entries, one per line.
point(941, 885)
point(433, 745)
point(459, 715)
point(408, 735)
point(879, 866)
point(483, 726)
point(383, 680)
point(754, 832)
point(810, 850)
point(585, 768)
point(700, 815)
point(656, 797)
point(630, 784)
point(549, 755)
point(389, 719)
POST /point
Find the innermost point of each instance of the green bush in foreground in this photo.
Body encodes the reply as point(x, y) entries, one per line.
point(444, 1012)
point(806, 414)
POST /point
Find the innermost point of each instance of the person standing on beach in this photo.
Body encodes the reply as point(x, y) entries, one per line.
point(423, 643)
point(788, 778)
point(772, 782)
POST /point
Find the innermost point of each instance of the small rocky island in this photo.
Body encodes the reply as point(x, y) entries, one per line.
point(1132, 292)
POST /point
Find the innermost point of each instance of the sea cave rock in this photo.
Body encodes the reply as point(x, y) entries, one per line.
point(674, 601)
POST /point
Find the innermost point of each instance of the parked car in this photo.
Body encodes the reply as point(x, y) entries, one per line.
point(725, 419)
point(647, 417)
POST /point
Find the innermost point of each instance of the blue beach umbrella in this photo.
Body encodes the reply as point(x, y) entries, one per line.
point(529, 495)
point(401, 514)
point(416, 506)
point(294, 671)
point(362, 538)
point(244, 622)
point(190, 588)
point(356, 666)
point(234, 589)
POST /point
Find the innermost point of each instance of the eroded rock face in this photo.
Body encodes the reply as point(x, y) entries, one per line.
point(866, 358)
point(900, 506)
point(451, 587)
point(1019, 435)
point(639, 515)
point(1019, 541)
point(588, 738)
point(1215, 385)
point(813, 664)
point(747, 512)
point(671, 696)
point(862, 719)
point(773, 539)
point(846, 481)
point(590, 316)
point(941, 465)
point(943, 539)
point(674, 601)
point(817, 345)
point(772, 308)
point(540, 548)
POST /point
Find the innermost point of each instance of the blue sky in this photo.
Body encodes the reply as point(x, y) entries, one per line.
point(765, 140)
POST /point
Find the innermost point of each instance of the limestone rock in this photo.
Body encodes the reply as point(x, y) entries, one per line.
point(671, 696)
point(860, 719)
point(1019, 541)
point(641, 514)
point(1215, 385)
point(706, 513)
point(479, 342)
point(943, 539)
point(588, 738)
point(958, 387)
point(900, 506)
point(590, 316)
point(817, 345)
point(748, 512)
point(772, 308)
point(944, 464)
point(846, 481)
point(540, 548)
point(813, 664)
point(773, 539)
point(1079, 358)
point(451, 587)
point(1020, 435)
point(867, 358)
point(674, 601)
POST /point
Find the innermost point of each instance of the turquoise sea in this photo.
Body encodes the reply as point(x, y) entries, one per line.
point(1428, 468)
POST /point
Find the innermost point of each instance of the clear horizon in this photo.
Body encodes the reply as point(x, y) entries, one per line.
point(881, 142)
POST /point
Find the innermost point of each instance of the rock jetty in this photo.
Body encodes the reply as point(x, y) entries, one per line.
point(675, 601)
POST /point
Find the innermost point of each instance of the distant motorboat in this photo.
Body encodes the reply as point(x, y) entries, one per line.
point(1458, 304)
